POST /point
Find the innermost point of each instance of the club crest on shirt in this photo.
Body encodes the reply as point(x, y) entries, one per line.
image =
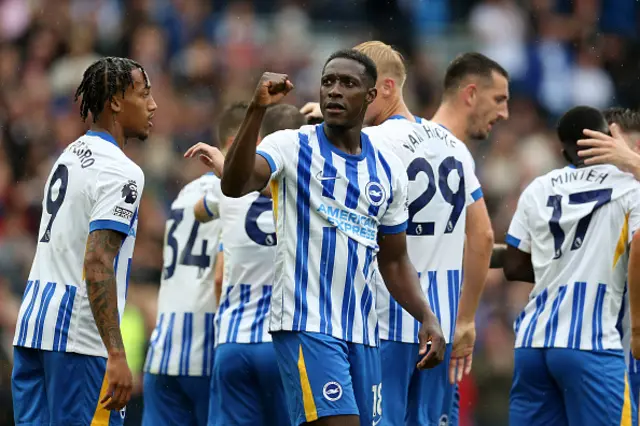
point(375, 193)
point(444, 420)
point(130, 192)
point(332, 391)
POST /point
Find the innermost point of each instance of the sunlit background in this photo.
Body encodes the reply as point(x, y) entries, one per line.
point(203, 54)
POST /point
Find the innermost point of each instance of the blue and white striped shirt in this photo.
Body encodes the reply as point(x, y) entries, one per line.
point(576, 224)
point(329, 207)
point(442, 184)
point(93, 186)
point(183, 340)
point(249, 247)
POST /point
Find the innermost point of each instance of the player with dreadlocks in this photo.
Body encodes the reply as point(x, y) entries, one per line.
point(70, 365)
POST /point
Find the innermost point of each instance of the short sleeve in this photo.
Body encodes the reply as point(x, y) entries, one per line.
point(634, 212)
point(212, 200)
point(519, 235)
point(116, 199)
point(275, 148)
point(395, 218)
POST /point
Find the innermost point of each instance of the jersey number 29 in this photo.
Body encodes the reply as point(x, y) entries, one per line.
point(456, 199)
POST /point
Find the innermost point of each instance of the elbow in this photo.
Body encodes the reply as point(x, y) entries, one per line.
point(95, 265)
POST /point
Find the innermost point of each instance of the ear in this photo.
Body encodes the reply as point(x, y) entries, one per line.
point(371, 95)
point(115, 104)
point(387, 87)
point(470, 94)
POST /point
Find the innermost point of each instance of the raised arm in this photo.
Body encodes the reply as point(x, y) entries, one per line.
point(244, 171)
point(102, 248)
point(401, 279)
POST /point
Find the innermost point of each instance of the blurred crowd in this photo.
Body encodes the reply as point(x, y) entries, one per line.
point(202, 54)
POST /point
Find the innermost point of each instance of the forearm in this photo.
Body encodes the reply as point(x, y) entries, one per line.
point(497, 256)
point(240, 161)
point(477, 255)
point(401, 279)
point(103, 299)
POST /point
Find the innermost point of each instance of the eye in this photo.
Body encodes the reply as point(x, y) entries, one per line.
point(349, 83)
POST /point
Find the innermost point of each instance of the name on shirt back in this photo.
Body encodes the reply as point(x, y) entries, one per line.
point(574, 175)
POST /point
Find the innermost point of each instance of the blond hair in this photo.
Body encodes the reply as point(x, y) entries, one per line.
point(389, 61)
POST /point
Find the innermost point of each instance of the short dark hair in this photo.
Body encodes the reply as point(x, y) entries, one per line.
point(281, 117)
point(627, 119)
point(572, 123)
point(230, 120)
point(102, 81)
point(370, 69)
point(470, 63)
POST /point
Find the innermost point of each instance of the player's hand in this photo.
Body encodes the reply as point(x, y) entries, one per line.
point(272, 87)
point(312, 113)
point(209, 155)
point(120, 383)
point(462, 351)
point(605, 149)
point(431, 332)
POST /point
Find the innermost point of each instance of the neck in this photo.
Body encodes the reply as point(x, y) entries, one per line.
point(448, 115)
point(395, 107)
point(344, 138)
point(113, 129)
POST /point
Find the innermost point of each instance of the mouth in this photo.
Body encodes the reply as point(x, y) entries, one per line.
point(334, 107)
point(150, 120)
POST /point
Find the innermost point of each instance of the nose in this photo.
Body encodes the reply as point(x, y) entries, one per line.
point(503, 114)
point(152, 104)
point(334, 91)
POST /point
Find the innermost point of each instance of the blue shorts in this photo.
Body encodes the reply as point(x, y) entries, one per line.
point(415, 397)
point(60, 388)
point(634, 389)
point(246, 388)
point(175, 400)
point(325, 376)
point(567, 387)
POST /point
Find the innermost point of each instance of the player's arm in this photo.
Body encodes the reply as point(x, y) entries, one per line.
point(518, 266)
point(244, 171)
point(517, 259)
point(115, 201)
point(605, 149)
point(403, 283)
point(497, 256)
point(477, 254)
point(103, 246)
point(218, 276)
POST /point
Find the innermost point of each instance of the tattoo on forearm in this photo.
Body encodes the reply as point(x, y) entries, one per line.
point(102, 248)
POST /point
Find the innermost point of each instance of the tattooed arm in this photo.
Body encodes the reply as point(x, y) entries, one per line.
point(102, 247)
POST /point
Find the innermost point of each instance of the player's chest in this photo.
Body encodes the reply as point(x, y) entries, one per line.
point(352, 187)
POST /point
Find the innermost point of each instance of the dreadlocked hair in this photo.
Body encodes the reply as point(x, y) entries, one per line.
point(102, 81)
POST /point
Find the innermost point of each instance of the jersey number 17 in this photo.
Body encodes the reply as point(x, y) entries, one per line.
point(598, 196)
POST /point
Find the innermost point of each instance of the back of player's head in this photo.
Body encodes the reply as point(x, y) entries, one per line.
point(571, 125)
point(471, 64)
point(389, 62)
point(281, 117)
point(370, 70)
point(627, 119)
point(229, 123)
point(103, 80)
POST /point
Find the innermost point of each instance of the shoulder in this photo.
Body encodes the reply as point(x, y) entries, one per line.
point(287, 136)
point(390, 161)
